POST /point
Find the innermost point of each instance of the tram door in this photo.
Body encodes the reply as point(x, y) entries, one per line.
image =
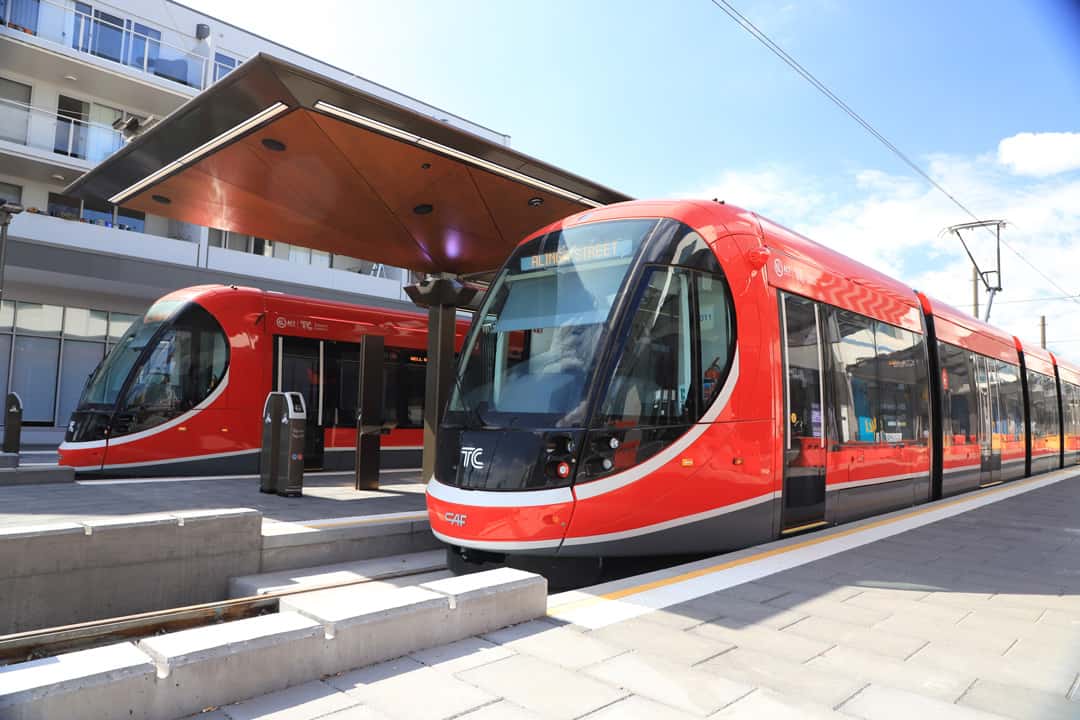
point(989, 411)
point(805, 452)
point(299, 369)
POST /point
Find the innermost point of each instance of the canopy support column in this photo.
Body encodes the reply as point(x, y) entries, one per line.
point(441, 296)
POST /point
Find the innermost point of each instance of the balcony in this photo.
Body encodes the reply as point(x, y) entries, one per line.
point(76, 37)
point(30, 136)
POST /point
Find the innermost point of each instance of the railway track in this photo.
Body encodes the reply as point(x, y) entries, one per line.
point(47, 642)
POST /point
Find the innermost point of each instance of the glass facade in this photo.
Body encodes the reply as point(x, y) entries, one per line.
point(47, 353)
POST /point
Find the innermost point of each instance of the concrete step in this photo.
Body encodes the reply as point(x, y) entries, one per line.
point(36, 475)
point(314, 635)
point(431, 564)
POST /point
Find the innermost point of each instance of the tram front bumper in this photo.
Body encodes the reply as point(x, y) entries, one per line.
point(530, 522)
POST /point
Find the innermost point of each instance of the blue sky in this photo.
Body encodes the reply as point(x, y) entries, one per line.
point(670, 97)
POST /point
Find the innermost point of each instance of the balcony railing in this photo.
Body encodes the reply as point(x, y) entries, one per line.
point(46, 130)
point(107, 33)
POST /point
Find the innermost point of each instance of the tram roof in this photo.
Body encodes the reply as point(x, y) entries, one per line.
point(278, 151)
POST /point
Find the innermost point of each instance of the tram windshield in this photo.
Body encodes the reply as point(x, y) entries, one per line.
point(535, 342)
point(165, 365)
point(106, 382)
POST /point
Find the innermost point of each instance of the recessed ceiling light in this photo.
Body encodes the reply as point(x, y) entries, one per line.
point(161, 199)
point(58, 176)
point(425, 166)
point(536, 201)
point(423, 209)
point(72, 78)
point(272, 144)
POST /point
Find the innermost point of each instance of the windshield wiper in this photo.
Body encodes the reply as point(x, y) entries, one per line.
point(475, 412)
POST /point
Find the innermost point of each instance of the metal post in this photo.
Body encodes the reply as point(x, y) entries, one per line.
point(975, 291)
point(1042, 331)
point(439, 378)
point(441, 296)
point(369, 417)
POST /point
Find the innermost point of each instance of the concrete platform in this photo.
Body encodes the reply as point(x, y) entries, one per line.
point(967, 608)
point(327, 497)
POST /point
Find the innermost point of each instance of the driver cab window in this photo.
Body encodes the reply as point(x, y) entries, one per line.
point(652, 382)
point(186, 364)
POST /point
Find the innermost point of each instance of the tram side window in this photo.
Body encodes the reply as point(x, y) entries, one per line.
point(1071, 403)
point(186, 364)
point(651, 384)
point(959, 408)
point(1042, 394)
point(903, 385)
point(1009, 423)
point(853, 378)
point(715, 330)
point(803, 376)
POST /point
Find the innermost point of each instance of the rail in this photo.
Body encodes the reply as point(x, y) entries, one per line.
point(47, 642)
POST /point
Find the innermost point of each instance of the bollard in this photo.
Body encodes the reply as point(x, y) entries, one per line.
point(269, 457)
point(13, 411)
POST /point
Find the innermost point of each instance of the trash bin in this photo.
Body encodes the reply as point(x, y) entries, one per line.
point(274, 429)
point(13, 410)
point(291, 482)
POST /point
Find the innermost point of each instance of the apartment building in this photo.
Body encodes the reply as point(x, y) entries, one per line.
point(77, 80)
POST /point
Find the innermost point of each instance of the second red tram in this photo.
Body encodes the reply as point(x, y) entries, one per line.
point(183, 390)
point(683, 377)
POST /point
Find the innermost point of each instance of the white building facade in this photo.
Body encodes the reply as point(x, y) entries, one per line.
point(72, 76)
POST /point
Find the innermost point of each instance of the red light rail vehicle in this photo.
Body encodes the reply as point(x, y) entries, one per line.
point(686, 377)
point(182, 392)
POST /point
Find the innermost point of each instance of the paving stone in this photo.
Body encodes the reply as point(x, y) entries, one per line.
point(833, 609)
point(836, 632)
point(894, 604)
point(927, 629)
point(357, 712)
point(765, 704)
point(711, 607)
point(677, 645)
point(776, 642)
point(783, 676)
point(461, 655)
point(981, 622)
point(669, 683)
point(1064, 652)
point(405, 689)
point(1019, 702)
point(867, 667)
point(501, 710)
point(1069, 620)
point(639, 708)
point(672, 618)
point(302, 702)
point(542, 687)
point(877, 702)
point(1037, 673)
point(559, 645)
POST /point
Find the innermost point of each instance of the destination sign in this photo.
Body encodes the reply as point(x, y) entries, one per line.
point(577, 255)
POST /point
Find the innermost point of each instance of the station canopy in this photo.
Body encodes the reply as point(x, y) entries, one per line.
point(279, 152)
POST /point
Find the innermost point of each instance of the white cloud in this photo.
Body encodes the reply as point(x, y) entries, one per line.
point(893, 222)
point(1040, 154)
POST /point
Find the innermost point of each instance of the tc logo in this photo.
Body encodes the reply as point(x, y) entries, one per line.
point(281, 322)
point(455, 518)
point(470, 456)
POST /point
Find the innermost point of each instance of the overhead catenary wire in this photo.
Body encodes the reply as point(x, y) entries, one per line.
point(743, 22)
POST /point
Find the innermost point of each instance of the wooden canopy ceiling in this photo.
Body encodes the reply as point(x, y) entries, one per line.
point(279, 152)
